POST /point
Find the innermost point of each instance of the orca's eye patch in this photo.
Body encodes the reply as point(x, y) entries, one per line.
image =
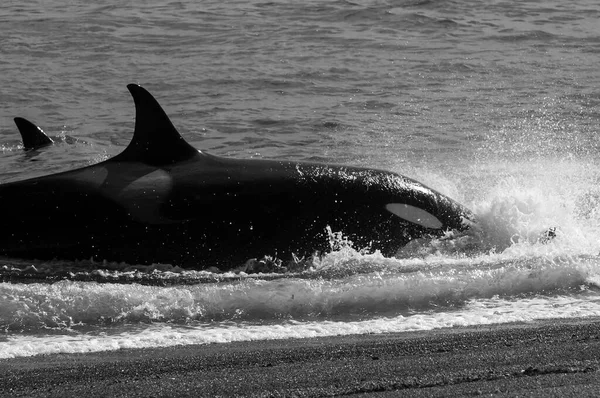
point(414, 215)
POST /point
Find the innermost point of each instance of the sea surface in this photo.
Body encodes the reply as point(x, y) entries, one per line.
point(495, 103)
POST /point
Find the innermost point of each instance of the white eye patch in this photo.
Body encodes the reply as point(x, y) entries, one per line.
point(414, 215)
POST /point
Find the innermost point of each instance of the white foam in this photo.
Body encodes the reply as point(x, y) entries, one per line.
point(378, 286)
point(476, 312)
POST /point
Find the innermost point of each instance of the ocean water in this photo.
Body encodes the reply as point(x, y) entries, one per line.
point(496, 104)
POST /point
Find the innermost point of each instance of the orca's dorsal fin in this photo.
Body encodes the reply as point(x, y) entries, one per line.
point(32, 136)
point(155, 140)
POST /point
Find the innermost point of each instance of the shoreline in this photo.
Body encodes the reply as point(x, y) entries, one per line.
point(559, 357)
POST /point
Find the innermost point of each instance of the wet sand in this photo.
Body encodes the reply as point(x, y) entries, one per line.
point(558, 358)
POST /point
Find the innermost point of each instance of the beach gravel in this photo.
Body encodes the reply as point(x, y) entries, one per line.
point(558, 358)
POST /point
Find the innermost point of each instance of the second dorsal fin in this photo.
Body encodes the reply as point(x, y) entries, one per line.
point(32, 136)
point(155, 140)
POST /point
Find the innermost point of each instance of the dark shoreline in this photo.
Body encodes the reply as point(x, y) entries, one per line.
point(545, 358)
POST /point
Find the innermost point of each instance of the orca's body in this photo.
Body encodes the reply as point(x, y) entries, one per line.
point(162, 201)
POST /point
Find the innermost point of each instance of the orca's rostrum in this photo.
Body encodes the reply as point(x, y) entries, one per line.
point(163, 201)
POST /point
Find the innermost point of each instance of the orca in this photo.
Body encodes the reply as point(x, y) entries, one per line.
point(34, 137)
point(163, 201)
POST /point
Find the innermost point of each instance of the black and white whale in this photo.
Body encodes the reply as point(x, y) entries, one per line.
point(33, 137)
point(163, 201)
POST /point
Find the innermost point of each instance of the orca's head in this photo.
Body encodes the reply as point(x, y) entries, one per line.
point(385, 210)
point(416, 211)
